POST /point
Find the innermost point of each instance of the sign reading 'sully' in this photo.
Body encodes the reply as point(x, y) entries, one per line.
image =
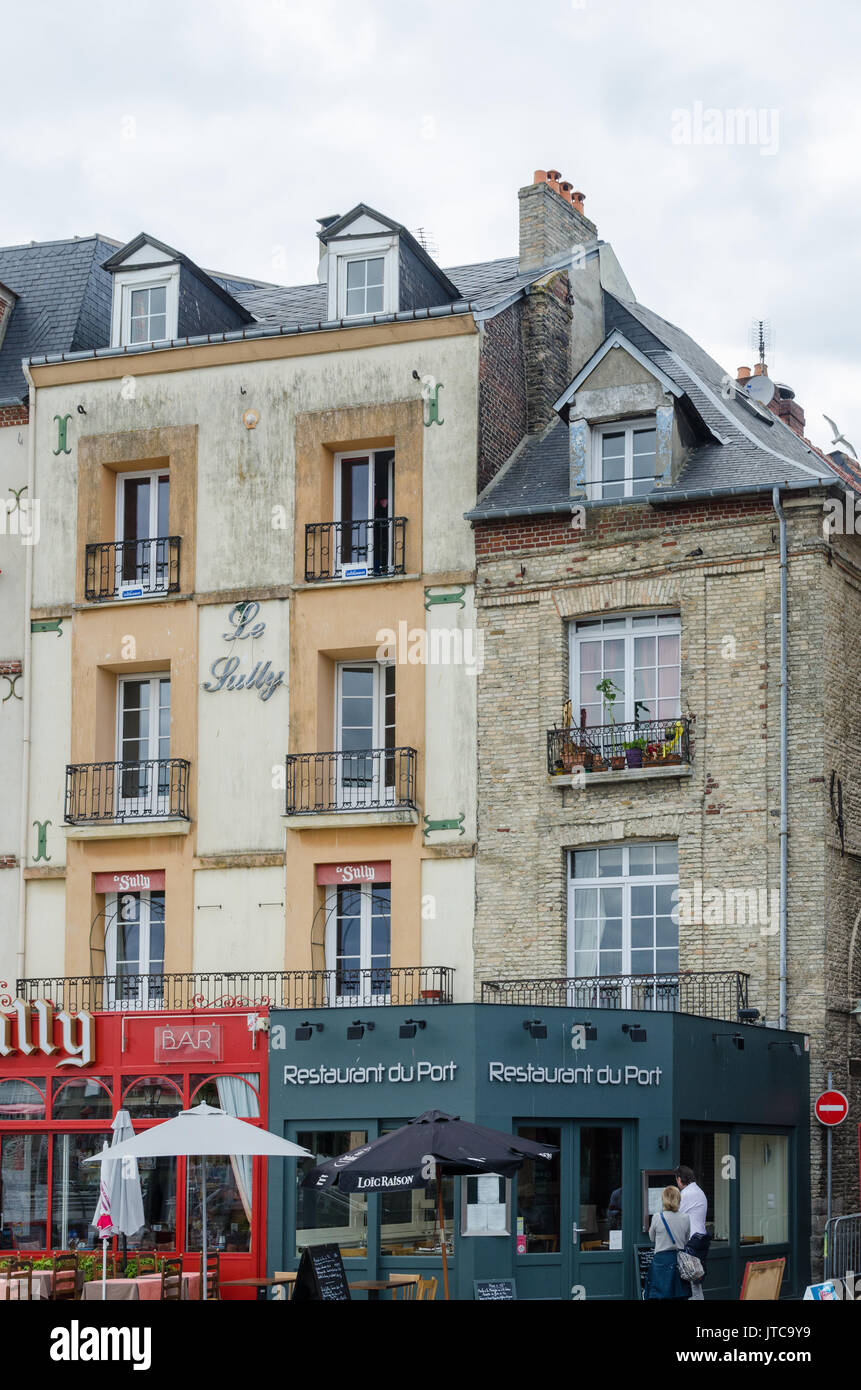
point(224, 669)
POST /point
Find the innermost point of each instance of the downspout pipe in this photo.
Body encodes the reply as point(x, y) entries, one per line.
point(27, 672)
point(784, 747)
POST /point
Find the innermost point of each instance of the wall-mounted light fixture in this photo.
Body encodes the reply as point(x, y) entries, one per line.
point(409, 1026)
point(535, 1028)
point(356, 1030)
point(635, 1032)
point(747, 1015)
point(736, 1038)
point(305, 1030)
point(794, 1047)
point(591, 1033)
point(663, 1142)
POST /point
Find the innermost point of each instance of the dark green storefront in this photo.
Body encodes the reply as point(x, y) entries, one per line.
point(620, 1106)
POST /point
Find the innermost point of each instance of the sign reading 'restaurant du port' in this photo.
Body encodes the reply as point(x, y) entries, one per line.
point(225, 671)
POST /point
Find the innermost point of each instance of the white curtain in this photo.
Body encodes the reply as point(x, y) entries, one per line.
point(240, 1100)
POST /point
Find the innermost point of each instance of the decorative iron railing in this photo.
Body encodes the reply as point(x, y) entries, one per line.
point(642, 743)
point(718, 994)
point(354, 549)
point(132, 569)
point(153, 789)
point(374, 779)
point(285, 989)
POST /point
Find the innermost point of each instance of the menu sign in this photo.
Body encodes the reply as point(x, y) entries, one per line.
point(494, 1290)
point(321, 1276)
point(643, 1255)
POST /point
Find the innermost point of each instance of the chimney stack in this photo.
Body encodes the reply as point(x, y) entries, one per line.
point(551, 219)
point(784, 405)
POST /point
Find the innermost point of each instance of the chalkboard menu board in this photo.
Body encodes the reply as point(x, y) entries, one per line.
point(494, 1290)
point(321, 1276)
point(643, 1255)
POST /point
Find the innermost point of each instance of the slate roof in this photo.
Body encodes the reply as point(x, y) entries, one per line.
point(63, 304)
point(754, 452)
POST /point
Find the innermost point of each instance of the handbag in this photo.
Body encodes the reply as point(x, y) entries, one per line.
point(690, 1268)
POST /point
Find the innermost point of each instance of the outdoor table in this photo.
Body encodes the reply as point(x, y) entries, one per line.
point(146, 1288)
point(42, 1281)
point(261, 1285)
point(374, 1287)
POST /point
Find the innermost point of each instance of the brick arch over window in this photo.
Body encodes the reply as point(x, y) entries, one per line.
point(618, 595)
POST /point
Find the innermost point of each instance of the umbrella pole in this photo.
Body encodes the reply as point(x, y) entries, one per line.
point(441, 1216)
point(104, 1269)
point(204, 1290)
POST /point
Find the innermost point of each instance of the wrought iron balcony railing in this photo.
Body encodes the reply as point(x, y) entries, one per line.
point(375, 779)
point(154, 789)
point(354, 549)
point(642, 743)
point(718, 994)
point(278, 989)
point(132, 569)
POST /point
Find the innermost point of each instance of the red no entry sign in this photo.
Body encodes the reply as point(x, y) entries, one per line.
point(831, 1108)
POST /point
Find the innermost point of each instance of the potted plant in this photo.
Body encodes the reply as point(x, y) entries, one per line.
point(634, 751)
point(672, 748)
point(609, 693)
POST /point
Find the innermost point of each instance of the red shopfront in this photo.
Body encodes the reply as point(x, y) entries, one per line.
point(62, 1080)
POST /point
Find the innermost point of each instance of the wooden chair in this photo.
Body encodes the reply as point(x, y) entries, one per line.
point(406, 1290)
point(20, 1275)
point(285, 1291)
point(209, 1277)
point(171, 1281)
point(426, 1289)
point(146, 1261)
point(64, 1286)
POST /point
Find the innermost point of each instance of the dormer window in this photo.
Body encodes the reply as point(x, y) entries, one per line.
point(624, 459)
point(146, 305)
point(364, 286)
point(147, 314)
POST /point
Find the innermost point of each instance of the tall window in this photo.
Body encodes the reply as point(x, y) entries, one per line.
point(622, 917)
point(365, 734)
point(364, 506)
point(763, 1189)
point(148, 314)
point(364, 286)
point(358, 942)
point(134, 949)
point(143, 522)
point(624, 464)
point(330, 1216)
point(640, 653)
point(143, 746)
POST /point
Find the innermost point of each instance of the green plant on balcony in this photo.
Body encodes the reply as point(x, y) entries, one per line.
point(610, 692)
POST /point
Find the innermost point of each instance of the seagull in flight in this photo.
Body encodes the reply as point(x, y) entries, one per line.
point(838, 437)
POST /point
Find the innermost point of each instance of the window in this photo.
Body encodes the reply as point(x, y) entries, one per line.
point(364, 507)
point(143, 745)
point(143, 560)
point(152, 1097)
point(705, 1151)
point(134, 949)
point(330, 1217)
point(364, 286)
point(624, 459)
point(148, 314)
point(763, 1189)
point(538, 1194)
point(358, 942)
point(158, 1191)
point(363, 276)
point(83, 1098)
point(622, 915)
point(145, 306)
point(640, 653)
point(228, 1203)
point(365, 734)
point(600, 1186)
point(74, 1190)
point(409, 1220)
point(23, 1190)
point(22, 1099)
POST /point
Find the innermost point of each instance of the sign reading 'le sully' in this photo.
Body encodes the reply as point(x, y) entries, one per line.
point(224, 669)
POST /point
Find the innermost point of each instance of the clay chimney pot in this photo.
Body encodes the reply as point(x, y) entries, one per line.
point(743, 373)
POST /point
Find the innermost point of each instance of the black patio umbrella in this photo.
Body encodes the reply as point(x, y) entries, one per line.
point(432, 1144)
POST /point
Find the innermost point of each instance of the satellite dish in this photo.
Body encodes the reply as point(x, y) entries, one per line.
point(760, 388)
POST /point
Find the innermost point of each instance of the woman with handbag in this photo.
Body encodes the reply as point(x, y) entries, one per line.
point(670, 1230)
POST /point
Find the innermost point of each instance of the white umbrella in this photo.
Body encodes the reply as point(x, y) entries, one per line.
point(200, 1131)
point(102, 1219)
point(120, 1206)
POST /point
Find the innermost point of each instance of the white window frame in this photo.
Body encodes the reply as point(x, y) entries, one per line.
point(148, 996)
point(626, 427)
point(153, 278)
point(626, 880)
point(161, 802)
point(348, 796)
point(362, 568)
point(159, 574)
point(366, 997)
point(361, 249)
point(668, 623)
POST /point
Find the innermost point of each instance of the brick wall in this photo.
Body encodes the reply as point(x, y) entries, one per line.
point(10, 668)
point(501, 393)
point(13, 415)
point(549, 225)
point(547, 319)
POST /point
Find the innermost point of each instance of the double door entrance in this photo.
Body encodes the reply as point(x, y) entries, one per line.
point(578, 1217)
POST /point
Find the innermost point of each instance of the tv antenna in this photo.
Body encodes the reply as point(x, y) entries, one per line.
point(427, 242)
point(760, 387)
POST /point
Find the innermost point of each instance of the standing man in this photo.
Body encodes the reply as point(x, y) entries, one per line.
point(694, 1204)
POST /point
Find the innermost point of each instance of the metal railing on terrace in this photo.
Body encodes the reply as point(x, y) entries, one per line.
point(374, 779)
point(131, 569)
point(354, 549)
point(152, 789)
point(641, 743)
point(718, 994)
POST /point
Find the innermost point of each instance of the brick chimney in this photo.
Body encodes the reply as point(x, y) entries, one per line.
point(786, 408)
point(552, 222)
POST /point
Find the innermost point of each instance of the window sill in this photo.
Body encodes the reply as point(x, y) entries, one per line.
point(128, 830)
point(95, 603)
point(343, 820)
point(355, 583)
point(628, 774)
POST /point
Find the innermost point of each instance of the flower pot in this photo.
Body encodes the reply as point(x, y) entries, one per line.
point(597, 765)
point(617, 763)
point(433, 996)
point(673, 758)
point(634, 757)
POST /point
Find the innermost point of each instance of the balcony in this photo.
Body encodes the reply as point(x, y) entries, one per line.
point(644, 748)
point(720, 994)
point(126, 794)
point(124, 570)
point(354, 549)
point(376, 786)
point(284, 989)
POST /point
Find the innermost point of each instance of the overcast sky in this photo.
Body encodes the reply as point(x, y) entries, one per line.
point(226, 128)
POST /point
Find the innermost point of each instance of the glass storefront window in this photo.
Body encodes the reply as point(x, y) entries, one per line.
point(228, 1203)
point(237, 1095)
point(74, 1190)
point(330, 1217)
point(22, 1099)
point(705, 1153)
point(152, 1097)
point(600, 1186)
point(84, 1098)
point(24, 1191)
point(409, 1222)
point(763, 1189)
point(158, 1190)
point(538, 1194)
